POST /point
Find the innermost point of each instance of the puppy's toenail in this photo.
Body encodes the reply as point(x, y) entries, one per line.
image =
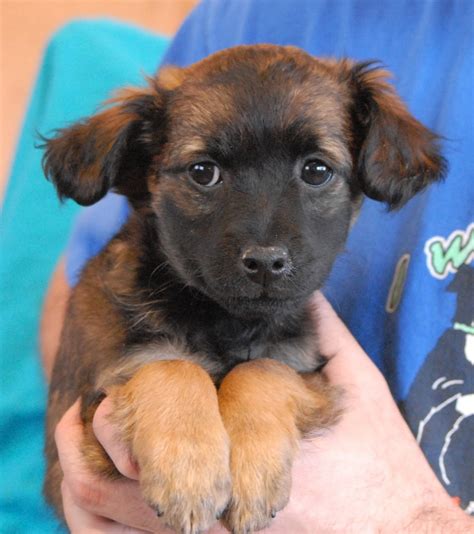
point(273, 513)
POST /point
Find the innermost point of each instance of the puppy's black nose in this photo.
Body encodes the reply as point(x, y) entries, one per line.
point(263, 264)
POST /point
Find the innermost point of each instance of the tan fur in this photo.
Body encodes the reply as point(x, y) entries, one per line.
point(171, 77)
point(168, 414)
point(267, 407)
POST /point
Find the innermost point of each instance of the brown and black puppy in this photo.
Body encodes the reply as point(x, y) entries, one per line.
point(244, 172)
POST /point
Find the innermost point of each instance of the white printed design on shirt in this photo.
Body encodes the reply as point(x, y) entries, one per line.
point(463, 404)
point(440, 404)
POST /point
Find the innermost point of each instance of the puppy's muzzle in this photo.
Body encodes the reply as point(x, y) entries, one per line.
point(265, 264)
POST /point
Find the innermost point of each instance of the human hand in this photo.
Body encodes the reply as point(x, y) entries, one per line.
point(366, 474)
point(92, 504)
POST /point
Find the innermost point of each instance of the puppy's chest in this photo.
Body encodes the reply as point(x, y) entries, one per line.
point(216, 352)
point(298, 353)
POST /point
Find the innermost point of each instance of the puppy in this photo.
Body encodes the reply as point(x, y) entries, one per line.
point(244, 172)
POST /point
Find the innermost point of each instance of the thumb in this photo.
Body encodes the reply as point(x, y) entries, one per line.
point(108, 436)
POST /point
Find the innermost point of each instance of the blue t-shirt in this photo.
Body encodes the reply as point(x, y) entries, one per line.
point(404, 285)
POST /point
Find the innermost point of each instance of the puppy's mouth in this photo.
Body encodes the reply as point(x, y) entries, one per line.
point(249, 301)
point(261, 305)
point(263, 302)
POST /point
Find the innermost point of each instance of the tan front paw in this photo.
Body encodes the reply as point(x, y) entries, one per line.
point(261, 483)
point(188, 489)
point(169, 416)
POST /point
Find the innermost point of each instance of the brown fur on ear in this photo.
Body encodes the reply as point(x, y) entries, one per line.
point(398, 156)
point(112, 149)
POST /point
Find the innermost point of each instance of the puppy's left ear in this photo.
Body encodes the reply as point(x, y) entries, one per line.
point(398, 156)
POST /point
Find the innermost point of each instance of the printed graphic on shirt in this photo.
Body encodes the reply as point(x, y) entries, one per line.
point(440, 404)
point(445, 256)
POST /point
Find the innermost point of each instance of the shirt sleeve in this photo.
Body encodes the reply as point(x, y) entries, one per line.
point(191, 42)
point(94, 227)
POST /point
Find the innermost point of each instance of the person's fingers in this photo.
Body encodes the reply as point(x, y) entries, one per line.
point(350, 367)
point(347, 360)
point(52, 317)
point(105, 433)
point(118, 500)
point(81, 521)
point(333, 334)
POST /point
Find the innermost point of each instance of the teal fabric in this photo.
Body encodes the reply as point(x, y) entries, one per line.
point(82, 64)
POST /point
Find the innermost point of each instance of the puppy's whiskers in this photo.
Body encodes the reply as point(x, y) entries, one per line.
point(157, 269)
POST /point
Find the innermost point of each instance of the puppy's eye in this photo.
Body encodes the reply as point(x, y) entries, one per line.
point(316, 172)
point(205, 173)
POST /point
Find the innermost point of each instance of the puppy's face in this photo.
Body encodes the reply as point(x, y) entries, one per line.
point(253, 188)
point(253, 163)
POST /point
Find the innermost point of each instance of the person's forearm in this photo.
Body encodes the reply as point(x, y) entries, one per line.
point(52, 319)
point(438, 520)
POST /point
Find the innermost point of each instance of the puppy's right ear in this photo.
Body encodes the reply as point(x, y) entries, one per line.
point(110, 150)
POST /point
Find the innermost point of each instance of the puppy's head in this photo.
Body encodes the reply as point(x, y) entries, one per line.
point(253, 163)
